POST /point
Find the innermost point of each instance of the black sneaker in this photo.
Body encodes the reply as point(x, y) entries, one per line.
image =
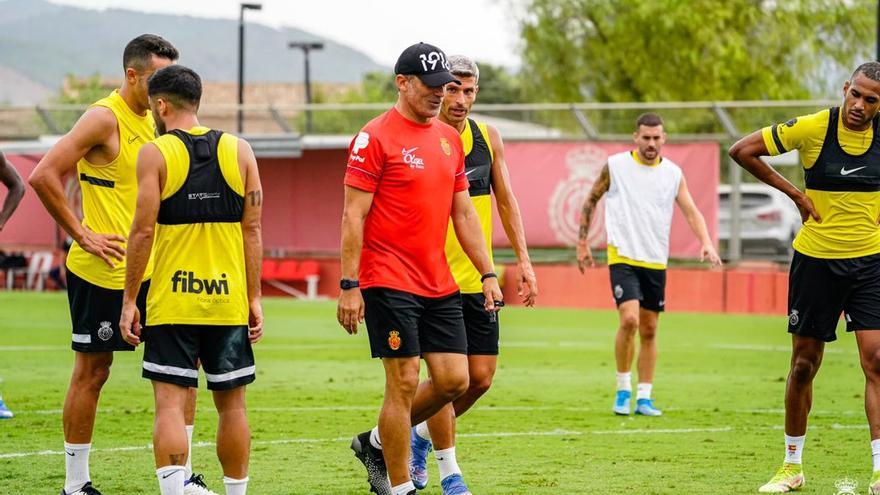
point(371, 457)
point(87, 489)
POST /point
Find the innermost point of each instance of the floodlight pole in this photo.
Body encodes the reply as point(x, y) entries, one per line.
point(240, 114)
point(307, 47)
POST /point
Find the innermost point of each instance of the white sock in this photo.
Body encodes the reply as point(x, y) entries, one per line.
point(794, 449)
point(875, 453)
point(644, 391)
point(403, 489)
point(422, 430)
point(374, 438)
point(171, 480)
point(624, 381)
point(234, 486)
point(446, 462)
point(189, 456)
point(77, 457)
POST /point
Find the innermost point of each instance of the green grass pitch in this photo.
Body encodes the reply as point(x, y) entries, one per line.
point(545, 427)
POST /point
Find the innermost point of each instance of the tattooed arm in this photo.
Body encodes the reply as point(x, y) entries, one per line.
point(600, 187)
point(251, 230)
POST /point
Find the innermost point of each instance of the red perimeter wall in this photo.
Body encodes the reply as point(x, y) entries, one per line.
point(303, 208)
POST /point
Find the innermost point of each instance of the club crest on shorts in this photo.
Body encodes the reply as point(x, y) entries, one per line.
point(444, 143)
point(793, 318)
point(846, 486)
point(618, 291)
point(105, 332)
point(394, 340)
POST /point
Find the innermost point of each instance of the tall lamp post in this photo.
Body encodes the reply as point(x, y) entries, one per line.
point(306, 47)
point(244, 6)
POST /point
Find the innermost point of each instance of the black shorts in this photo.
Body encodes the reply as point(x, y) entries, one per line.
point(95, 313)
point(401, 324)
point(635, 282)
point(819, 290)
point(481, 325)
point(172, 354)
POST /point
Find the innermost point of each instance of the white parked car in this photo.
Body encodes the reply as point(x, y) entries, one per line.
point(769, 220)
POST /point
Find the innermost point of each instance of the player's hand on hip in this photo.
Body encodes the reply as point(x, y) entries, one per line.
point(709, 254)
point(807, 209)
point(108, 247)
point(255, 321)
point(527, 284)
point(130, 323)
point(492, 293)
point(350, 309)
point(584, 255)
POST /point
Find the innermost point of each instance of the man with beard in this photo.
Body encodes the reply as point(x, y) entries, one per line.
point(642, 189)
point(836, 263)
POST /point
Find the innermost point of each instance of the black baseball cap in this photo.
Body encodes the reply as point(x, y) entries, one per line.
point(427, 62)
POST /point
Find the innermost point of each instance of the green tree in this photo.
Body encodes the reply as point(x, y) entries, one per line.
point(498, 85)
point(77, 91)
point(679, 50)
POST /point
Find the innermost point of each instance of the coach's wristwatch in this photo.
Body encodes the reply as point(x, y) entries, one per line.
point(348, 283)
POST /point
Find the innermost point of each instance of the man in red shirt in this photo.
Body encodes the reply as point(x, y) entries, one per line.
point(405, 178)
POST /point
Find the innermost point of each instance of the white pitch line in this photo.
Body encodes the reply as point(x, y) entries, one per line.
point(20, 348)
point(376, 407)
point(649, 431)
point(283, 441)
point(550, 433)
point(768, 348)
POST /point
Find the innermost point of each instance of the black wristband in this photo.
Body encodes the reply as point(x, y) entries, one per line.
point(488, 275)
point(346, 284)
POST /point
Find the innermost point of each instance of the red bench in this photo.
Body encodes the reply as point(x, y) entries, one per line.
point(281, 273)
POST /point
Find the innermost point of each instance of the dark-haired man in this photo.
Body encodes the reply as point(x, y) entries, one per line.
point(101, 150)
point(199, 198)
point(487, 173)
point(642, 188)
point(394, 239)
point(836, 263)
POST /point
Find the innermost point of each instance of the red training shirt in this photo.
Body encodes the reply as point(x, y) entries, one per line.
point(413, 170)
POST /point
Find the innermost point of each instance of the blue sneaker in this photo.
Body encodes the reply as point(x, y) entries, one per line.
point(621, 403)
point(418, 461)
point(645, 407)
point(5, 413)
point(454, 485)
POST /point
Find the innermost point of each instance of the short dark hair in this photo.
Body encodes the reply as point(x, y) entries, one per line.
point(871, 70)
point(649, 120)
point(140, 50)
point(179, 85)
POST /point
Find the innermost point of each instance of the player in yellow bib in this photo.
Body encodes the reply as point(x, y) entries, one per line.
point(836, 264)
point(198, 209)
point(487, 173)
point(101, 151)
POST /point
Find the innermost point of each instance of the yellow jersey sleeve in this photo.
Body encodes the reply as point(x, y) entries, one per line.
point(803, 133)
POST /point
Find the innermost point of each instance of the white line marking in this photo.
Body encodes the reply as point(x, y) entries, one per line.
point(20, 348)
point(768, 348)
point(503, 434)
point(283, 441)
point(648, 431)
point(298, 409)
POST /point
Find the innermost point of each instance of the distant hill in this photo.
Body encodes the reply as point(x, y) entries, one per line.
point(43, 42)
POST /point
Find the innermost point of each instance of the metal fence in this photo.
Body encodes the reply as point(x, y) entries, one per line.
point(717, 121)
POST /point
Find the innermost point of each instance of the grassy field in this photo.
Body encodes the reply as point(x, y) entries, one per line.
point(545, 427)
